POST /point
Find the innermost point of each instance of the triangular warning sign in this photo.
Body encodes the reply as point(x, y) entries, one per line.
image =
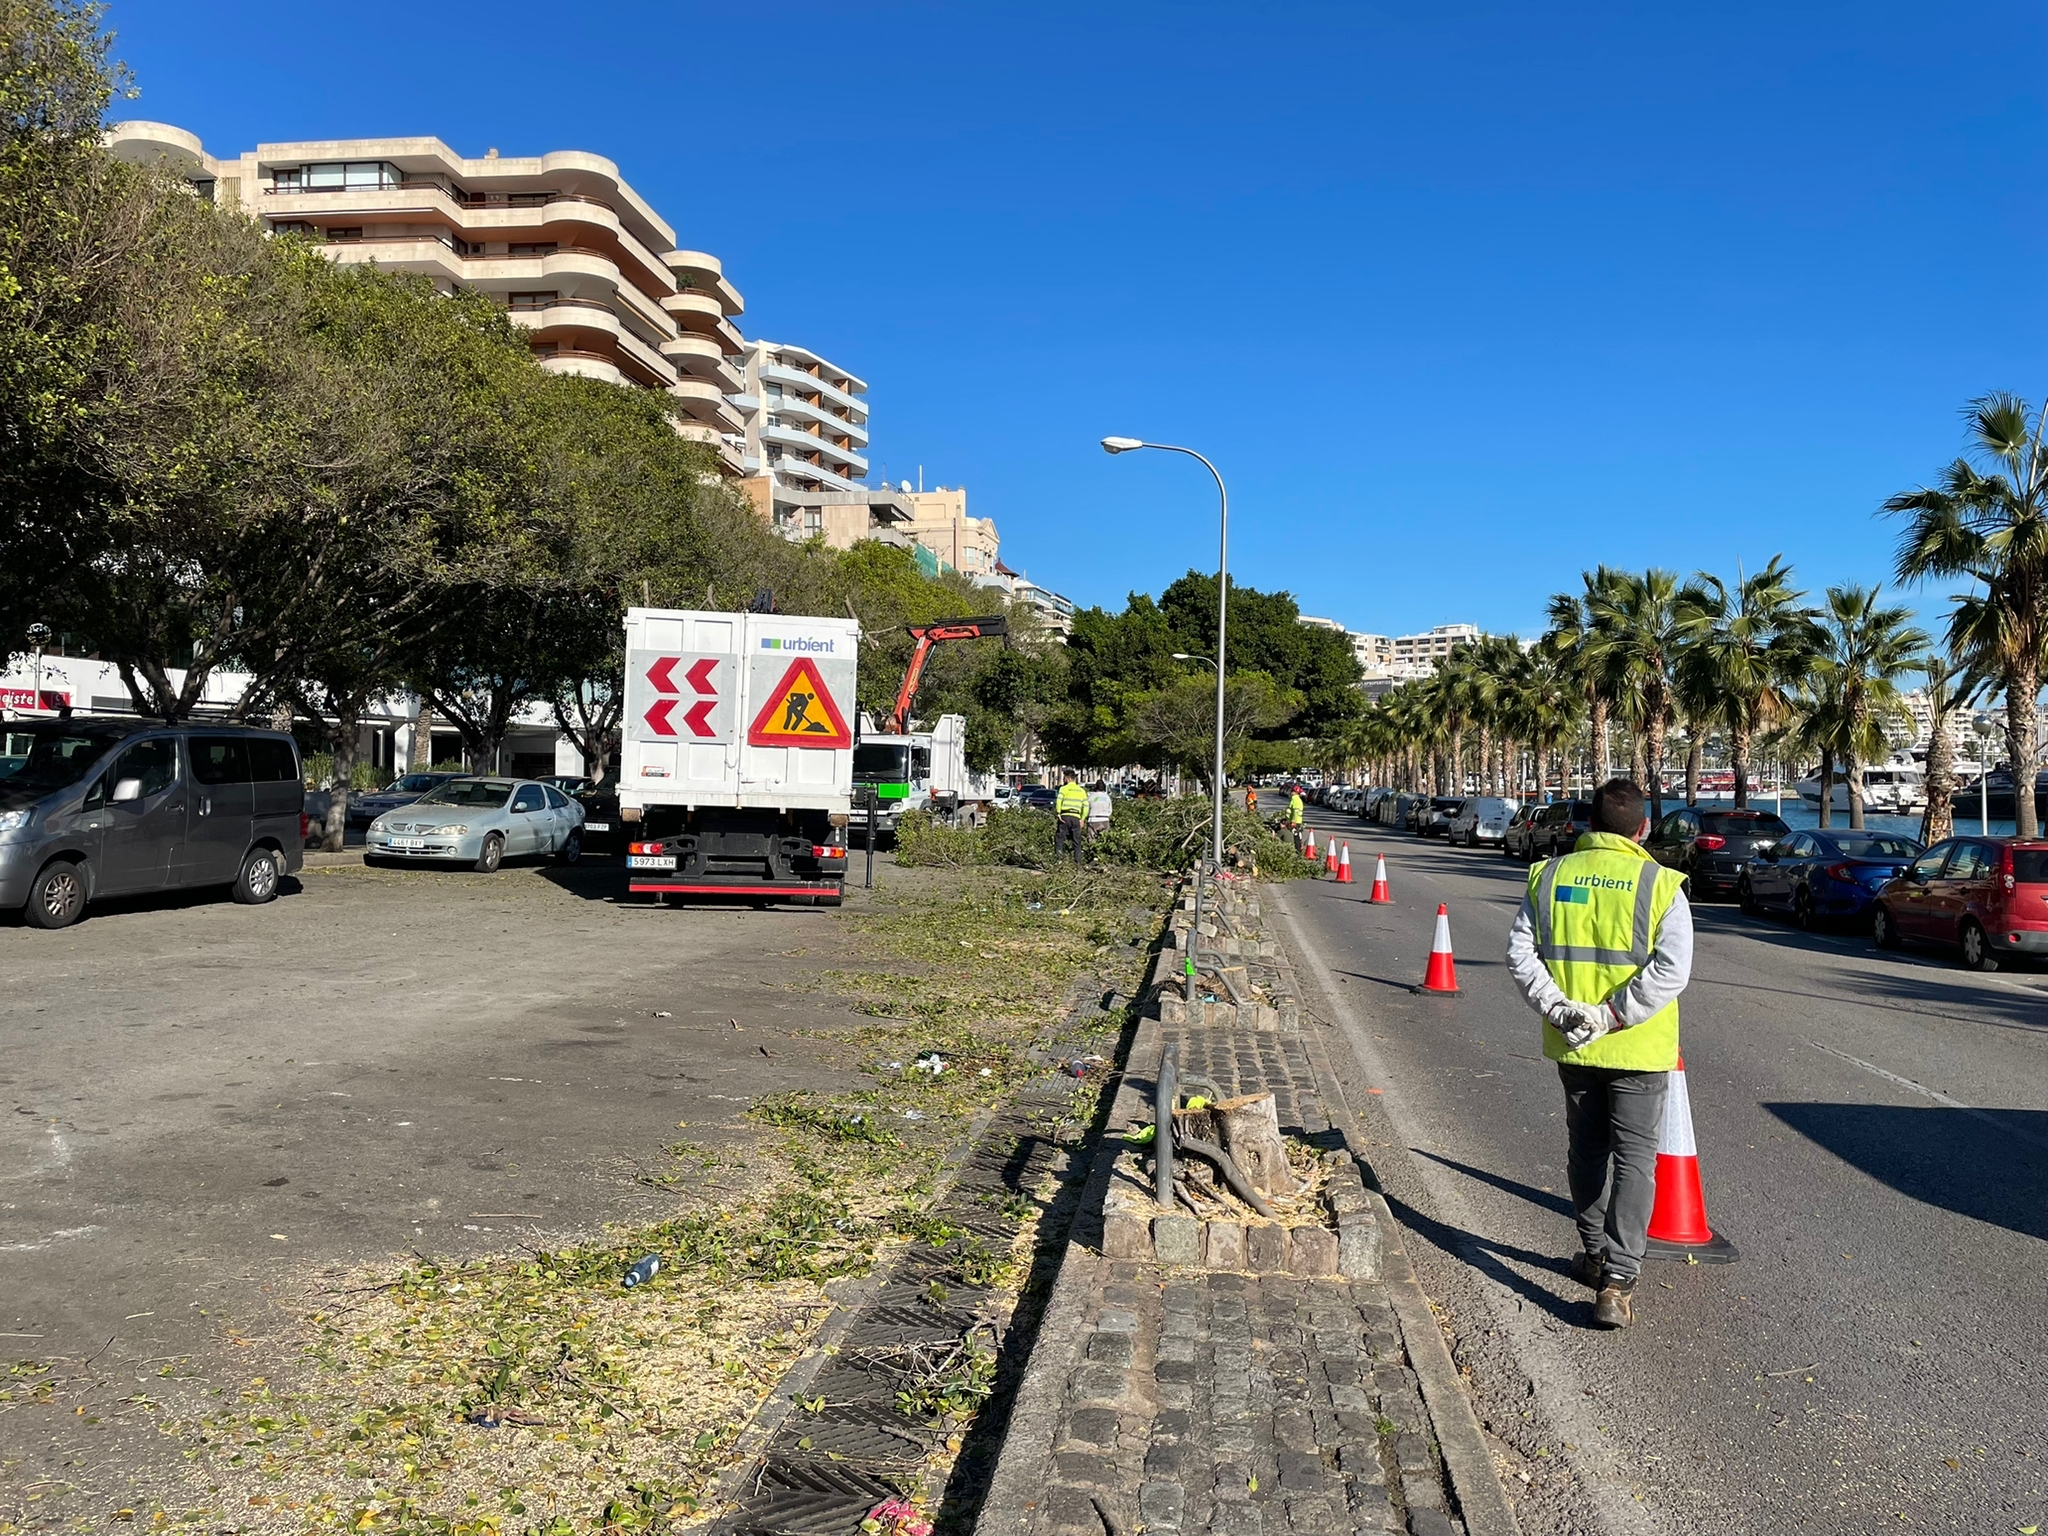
point(799, 712)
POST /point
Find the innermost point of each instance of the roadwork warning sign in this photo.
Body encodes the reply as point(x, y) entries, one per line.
point(798, 712)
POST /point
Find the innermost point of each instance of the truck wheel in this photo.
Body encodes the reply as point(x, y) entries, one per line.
point(56, 898)
point(257, 883)
point(492, 855)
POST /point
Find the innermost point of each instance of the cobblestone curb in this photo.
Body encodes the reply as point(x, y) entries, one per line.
point(1163, 1397)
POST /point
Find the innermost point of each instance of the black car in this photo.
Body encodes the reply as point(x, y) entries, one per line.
point(1712, 848)
point(366, 808)
point(1434, 818)
point(1819, 876)
point(1037, 797)
point(603, 830)
point(1548, 830)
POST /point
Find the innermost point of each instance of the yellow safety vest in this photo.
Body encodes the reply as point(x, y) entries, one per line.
point(1294, 809)
point(1597, 913)
point(1072, 800)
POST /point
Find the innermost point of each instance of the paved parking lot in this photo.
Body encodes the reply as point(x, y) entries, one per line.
point(204, 1103)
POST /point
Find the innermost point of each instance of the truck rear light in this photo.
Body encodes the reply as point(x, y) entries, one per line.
point(1707, 842)
point(643, 847)
point(823, 851)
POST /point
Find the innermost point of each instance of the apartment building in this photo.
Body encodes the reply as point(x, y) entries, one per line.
point(1426, 650)
point(573, 252)
point(940, 524)
point(804, 427)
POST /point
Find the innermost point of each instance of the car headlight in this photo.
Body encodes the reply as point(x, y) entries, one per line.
point(14, 821)
point(455, 831)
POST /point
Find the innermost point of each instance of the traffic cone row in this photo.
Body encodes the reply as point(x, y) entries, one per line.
point(1441, 978)
point(1379, 896)
point(1678, 1221)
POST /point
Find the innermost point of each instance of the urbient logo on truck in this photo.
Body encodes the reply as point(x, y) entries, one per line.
point(798, 643)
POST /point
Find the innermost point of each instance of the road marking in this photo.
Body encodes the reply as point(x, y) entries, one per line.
point(1940, 1098)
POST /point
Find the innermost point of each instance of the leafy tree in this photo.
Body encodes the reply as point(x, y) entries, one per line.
point(1634, 639)
point(1177, 725)
point(1869, 648)
point(1746, 649)
point(1990, 524)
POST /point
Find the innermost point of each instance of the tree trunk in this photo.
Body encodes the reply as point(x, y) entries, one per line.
point(1653, 762)
point(1738, 752)
point(1485, 759)
point(347, 730)
point(1638, 765)
point(2022, 743)
point(1940, 820)
point(1852, 773)
point(1251, 1135)
point(421, 756)
point(1827, 789)
point(1603, 741)
point(1695, 756)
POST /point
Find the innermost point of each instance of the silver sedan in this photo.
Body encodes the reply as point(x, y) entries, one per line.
point(480, 822)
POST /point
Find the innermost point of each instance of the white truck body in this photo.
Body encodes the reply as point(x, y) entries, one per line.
point(698, 684)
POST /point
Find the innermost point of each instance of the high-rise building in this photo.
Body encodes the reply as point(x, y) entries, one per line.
point(574, 253)
point(1426, 650)
point(805, 426)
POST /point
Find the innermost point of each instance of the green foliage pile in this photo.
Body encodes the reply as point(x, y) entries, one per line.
point(1163, 836)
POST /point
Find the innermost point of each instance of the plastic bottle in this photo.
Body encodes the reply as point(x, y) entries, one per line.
point(642, 1272)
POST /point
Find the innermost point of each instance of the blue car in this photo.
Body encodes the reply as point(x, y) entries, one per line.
point(1824, 877)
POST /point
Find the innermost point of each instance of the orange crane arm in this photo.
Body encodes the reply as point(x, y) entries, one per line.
point(928, 635)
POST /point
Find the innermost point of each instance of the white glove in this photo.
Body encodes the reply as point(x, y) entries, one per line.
point(1581, 1023)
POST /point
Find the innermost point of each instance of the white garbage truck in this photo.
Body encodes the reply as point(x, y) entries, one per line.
point(736, 759)
point(919, 771)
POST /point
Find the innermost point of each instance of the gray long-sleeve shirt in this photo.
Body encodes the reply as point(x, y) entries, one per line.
point(1653, 987)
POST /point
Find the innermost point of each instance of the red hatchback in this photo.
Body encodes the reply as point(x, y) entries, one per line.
point(1988, 896)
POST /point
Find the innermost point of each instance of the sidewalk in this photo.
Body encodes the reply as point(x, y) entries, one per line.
point(1238, 1398)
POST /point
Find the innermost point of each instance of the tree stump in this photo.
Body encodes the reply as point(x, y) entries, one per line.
point(1251, 1135)
point(1196, 1172)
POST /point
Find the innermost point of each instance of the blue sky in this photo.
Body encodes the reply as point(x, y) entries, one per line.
point(1460, 303)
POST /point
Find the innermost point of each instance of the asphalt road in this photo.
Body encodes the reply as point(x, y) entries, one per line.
point(1872, 1135)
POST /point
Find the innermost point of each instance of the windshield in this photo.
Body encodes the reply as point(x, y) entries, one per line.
point(881, 762)
point(484, 794)
point(417, 783)
point(1856, 847)
point(1742, 824)
point(46, 758)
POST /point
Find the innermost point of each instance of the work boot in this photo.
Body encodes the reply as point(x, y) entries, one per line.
point(1587, 1269)
point(1615, 1308)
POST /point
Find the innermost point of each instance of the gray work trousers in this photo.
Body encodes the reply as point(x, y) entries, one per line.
point(1065, 835)
point(1613, 1118)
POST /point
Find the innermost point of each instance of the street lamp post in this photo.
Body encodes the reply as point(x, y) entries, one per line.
point(1125, 445)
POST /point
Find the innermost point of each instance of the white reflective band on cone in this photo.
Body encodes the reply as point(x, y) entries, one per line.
point(1675, 1139)
point(1441, 944)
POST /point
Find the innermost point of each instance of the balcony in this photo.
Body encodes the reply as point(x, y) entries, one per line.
point(782, 373)
point(794, 469)
point(705, 402)
point(789, 405)
point(591, 365)
point(699, 357)
point(703, 315)
point(789, 438)
point(705, 274)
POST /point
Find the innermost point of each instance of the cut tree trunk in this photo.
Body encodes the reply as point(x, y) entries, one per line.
point(1251, 1135)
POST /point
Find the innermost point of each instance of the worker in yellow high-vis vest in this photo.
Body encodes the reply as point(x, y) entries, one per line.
point(1070, 806)
point(1602, 948)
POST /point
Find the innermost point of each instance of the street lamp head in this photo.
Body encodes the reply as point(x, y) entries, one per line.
point(1120, 444)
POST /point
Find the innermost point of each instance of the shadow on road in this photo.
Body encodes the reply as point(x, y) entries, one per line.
point(1528, 1192)
point(1986, 1164)
point(1485, 1254)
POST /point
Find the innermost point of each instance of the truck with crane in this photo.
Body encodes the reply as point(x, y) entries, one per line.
point(897, 770)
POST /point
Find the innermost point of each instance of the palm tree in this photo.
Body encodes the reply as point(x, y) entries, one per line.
point(1746, 650)
point(1634, 638)
point(1949, 688)
point(1869, 649)
point(1992, 526)
point(1568, 640)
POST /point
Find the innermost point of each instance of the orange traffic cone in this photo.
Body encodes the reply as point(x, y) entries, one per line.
point(1310, 852)
point(1330, 857)
point(1442, 975)
point(1678, 1221)
point(1379, 884)
point(1344, 867)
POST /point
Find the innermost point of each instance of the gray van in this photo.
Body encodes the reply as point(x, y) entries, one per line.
point(111, 807)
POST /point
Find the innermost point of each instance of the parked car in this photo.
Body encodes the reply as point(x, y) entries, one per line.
point(1395, 810)
point(480, 822)
point(1987, 896)
point(1514, 840)
point(604, 829)
point(1037, 797)
point(1824, 876)
point(1369, 803)
point(1712, 848)
point(1433, 817)
point(366, 808)
point(91, 808)
point(1553, 829)
point(1480, 819)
